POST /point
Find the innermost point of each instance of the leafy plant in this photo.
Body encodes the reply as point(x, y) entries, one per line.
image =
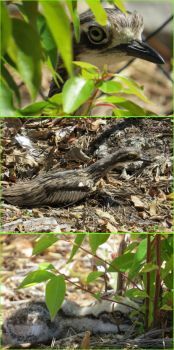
point(31, 39)
point(146, 265)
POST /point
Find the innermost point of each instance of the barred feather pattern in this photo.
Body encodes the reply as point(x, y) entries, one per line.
point(65, 187)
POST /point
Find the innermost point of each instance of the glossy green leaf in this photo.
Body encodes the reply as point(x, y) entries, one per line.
point(6, 101)
point(93, 276)
point(132, 108)
point(132, 88)
point(34, 108)
point(77, 243)
point(28, 55)
point(46, 266)
point(122, 263)
point(55, 294)
point(35, 277)
point(85, 65)
point(136, 293)
point(121, 113)
point(139, 257)
point(141, 251)
point(98, 11)
point(44, 242)
point(110, 86)
point(5, 27)
point(95, 240)
point(76, 91)
point(59, 25)
point(111, 99)
point(149, 267)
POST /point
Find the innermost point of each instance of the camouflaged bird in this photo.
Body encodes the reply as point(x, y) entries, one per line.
point(58, 188)
point(31, 324)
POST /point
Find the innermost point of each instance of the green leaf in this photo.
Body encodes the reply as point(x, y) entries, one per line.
point(166, 307)
point(98, 11)
point(55, 294)
point(5, 28)
point(131, 247)
point(111, 99)
point(120, 5)
point(47, 40)
point(77, 243)
point(136, 293)
point(141, 251)
point(122, 263)
point(10, 81)
point(110, 87)
point(28, 55)
point(132, 88)
point(46, 266)
point(168, 267)
point(95, 240)
point(149, 267)
point(60, 28)
point(132, 108)
point(85, 65)
point(43, 243)
point(168, 280)
point(72, 6)
point(56, 99)
point(6, 101)
point(139, 257)
point(34, 108)
point(93, 276)
point(35, 277)
point(76, 91)
point(30, 10)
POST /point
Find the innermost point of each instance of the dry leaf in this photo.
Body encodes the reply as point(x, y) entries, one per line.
point(137, 202)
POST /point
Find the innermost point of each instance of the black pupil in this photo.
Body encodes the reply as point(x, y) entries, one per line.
point(96, 34)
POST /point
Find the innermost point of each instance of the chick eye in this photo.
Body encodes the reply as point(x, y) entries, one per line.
point(96, 34)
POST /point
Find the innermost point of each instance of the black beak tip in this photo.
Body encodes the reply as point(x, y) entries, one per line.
point(160, 59)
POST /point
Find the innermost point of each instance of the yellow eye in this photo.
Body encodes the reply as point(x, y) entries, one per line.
point(96, 34)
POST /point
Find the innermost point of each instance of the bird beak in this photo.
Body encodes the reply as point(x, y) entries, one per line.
point(140, 49)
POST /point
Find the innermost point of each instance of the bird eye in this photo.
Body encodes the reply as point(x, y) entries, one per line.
point(96, 34)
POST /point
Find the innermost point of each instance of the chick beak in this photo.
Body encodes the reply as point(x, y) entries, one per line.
point(140, 49)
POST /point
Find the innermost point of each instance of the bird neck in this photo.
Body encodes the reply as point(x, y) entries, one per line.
point(104, 165)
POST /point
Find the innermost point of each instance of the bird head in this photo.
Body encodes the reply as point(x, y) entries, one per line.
point(111, 44)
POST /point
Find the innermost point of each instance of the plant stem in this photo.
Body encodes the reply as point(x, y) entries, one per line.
point(156, 310)
point(147, 300)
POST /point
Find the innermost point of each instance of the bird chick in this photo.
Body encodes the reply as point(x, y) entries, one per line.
point(31, 324)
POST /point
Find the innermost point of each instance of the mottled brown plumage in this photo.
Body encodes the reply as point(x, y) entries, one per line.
point(65, 187)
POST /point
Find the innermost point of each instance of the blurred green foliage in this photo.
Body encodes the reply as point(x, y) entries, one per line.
point(31, 38)
point(139, 265)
